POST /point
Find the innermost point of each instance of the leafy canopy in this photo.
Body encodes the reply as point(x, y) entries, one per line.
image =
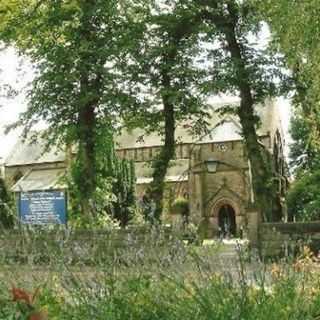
point(67, 40)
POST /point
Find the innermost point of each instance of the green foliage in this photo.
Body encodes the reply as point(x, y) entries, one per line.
point(96, 60)
point(77, 49)
point(122, 173)
point(303, 152)
point(53, 35)
point(90, 276)
point(295, 31)
point(6, 206)
point(180, 206)
point(304, 198)
point(164, 76)
point(166, 49)
point(114, 199)
point(240, 24)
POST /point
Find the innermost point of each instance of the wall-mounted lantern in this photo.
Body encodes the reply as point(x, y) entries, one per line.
point(211, 165)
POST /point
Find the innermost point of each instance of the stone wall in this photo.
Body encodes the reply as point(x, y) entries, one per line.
point(280, 239)
point(37, 246)
point(228, 184)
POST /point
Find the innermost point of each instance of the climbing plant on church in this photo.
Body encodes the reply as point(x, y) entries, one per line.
point(121, 174)
point(114, 199)
point(123, 207)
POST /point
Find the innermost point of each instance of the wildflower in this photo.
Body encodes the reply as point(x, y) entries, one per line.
point(38, 316)
point(305, 261)
point(20, 295)
point(276, 271)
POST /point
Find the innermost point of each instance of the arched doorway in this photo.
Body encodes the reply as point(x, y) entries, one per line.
point(227, 221)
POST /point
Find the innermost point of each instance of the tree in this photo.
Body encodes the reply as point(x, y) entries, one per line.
point(75, 47)
point(295, 30)
point(304, 155)
point(242, 68)
point(164, 75)
point(303, 198)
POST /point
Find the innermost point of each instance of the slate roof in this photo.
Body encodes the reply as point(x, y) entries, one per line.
point(50, 179)
point(26, 152)
point(177, 172)
point(39, 180)
point(222, 128)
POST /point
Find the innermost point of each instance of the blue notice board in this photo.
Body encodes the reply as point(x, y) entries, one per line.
point(43, 207)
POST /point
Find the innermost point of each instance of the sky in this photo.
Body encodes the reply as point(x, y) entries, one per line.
point(11, 73)
point(19, 75)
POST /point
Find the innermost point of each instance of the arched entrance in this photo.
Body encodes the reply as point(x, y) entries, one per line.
point(227, 221)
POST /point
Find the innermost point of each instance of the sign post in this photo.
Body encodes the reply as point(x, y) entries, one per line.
point(43, 207)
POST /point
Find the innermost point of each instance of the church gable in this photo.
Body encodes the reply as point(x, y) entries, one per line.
point(226, 130)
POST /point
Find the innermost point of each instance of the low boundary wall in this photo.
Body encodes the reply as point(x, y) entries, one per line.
point(83, 246)
point(281, 239)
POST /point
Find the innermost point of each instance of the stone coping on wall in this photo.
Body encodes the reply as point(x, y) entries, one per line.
point(293, 227)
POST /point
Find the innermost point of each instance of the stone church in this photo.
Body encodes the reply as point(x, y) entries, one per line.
point(211, 171)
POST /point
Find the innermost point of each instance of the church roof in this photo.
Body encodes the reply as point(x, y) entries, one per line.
point(27, 152)
point(221, 128)
point(50, 179)
point(40, 179)
point(177, 171)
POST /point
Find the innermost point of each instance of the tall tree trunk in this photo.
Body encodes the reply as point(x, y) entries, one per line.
point(167, 152)
point(176, 32)
point(87, 158)
point(261, 173)
point(90, 89)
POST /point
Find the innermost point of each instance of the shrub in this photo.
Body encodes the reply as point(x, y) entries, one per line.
point(6, 206)
point(180, 206)
point(304, 197)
